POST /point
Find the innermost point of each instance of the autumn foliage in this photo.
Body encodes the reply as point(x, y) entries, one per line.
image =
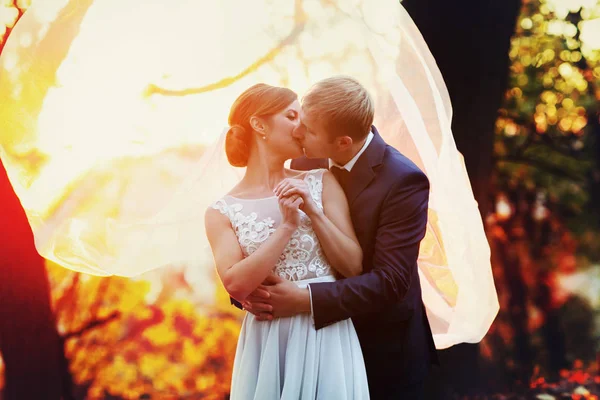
point(138, 338)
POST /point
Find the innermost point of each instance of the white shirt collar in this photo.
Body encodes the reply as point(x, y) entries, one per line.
point(350, 164)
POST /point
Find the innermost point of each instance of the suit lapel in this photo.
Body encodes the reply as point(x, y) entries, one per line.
point(363, 171)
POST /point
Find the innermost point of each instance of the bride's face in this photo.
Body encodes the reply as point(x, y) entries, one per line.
point(281, 127)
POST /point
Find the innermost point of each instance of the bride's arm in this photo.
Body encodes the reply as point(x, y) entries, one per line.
point(241, 276)
point(335, 231)
point(332, 225)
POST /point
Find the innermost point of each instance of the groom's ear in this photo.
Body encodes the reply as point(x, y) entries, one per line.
point(344, 142)
point(258, 125)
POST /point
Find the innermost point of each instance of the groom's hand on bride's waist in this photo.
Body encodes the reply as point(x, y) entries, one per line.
point(277, 298)
point(256, 304)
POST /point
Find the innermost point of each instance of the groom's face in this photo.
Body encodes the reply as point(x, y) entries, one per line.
point(313, 137)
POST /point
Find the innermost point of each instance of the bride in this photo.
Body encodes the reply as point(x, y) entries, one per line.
point(253, 233)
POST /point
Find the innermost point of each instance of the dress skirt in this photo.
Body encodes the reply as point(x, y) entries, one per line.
point(288, 359)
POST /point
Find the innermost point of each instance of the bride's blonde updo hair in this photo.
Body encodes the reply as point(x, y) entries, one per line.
point(260, 100)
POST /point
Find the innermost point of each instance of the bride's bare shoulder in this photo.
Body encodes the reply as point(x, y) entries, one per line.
point(215, 215)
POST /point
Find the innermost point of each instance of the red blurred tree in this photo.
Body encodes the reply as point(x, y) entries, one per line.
point(29, 342)
point(32, 350)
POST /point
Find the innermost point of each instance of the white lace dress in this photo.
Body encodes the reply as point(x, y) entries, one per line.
point(287, 358)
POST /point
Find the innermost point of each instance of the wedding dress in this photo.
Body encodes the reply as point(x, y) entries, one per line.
point(286, 358)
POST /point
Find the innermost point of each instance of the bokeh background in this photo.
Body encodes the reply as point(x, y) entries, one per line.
point(524, 79)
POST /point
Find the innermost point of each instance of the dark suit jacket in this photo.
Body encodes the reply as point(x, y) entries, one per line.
point(388, 196)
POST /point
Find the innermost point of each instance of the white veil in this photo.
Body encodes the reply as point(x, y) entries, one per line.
point(119, 185)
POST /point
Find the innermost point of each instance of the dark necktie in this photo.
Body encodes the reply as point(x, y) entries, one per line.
point(341, 174)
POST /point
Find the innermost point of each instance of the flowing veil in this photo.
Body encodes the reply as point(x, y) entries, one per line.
point(133, 200)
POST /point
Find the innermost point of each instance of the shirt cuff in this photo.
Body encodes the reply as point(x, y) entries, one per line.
point(312, 314)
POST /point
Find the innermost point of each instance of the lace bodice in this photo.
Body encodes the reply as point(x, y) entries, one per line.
point(254, 220)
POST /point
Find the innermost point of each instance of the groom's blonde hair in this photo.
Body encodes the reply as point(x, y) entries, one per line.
point(342, 105)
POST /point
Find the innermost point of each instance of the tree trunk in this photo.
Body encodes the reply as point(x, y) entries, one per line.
point(29, 342)
point(31, 347)
point(470, 41)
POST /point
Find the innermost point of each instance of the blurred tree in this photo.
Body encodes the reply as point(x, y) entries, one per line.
point(470, 42)
point(540, 180)
point(545, 183)
point(549, 128)
point(32, 349)
point(58, 38)
point(161, 346)
point(577, 318)
point(29, 342)
point(547, 164)
point(12, 10)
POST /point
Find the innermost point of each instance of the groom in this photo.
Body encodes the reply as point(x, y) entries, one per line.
point(388, 197)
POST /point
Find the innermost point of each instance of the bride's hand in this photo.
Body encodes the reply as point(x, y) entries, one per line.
point(290, 187)
point(290, 207)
